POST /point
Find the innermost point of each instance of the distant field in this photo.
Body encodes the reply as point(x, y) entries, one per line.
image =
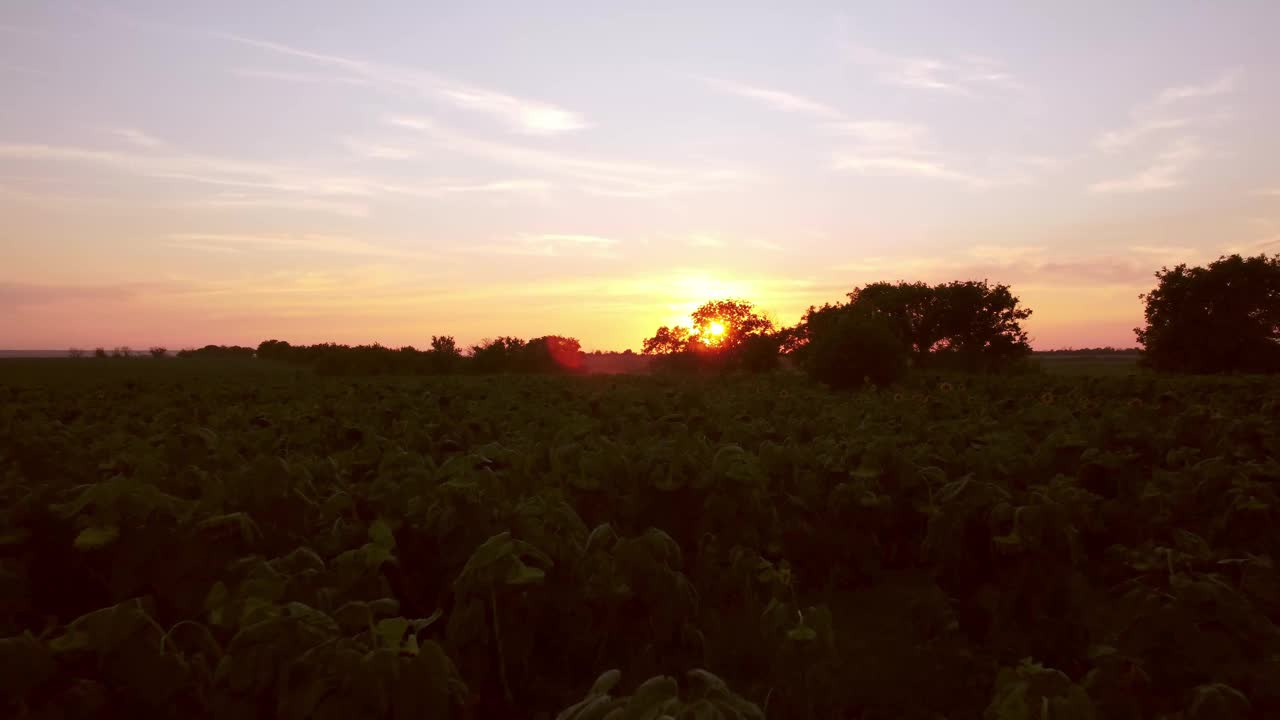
point(1087, 364)
point(87, 371)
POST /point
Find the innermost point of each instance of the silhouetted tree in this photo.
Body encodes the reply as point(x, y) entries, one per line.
point(667, 341)
point(158, 352)
point(495, 356)
point(967, 324)
point(100, 352)
point(445, 356)
point(75, 353)
point(726, 335)
point(737, 318)
point(445, 345)
point(552, 353)
point(847, 346)
point(1223, 317)
point(219, 352)
point(278, 350)
point(757, 353)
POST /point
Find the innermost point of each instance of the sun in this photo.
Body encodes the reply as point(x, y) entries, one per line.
point(714, 333)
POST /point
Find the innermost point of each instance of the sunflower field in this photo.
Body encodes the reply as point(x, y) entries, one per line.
point(282, 545)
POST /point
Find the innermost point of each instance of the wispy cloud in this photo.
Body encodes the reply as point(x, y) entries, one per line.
point(904, 150)
point(1121, 138)
point(872, 164)
point(138, 138)
point(1165, 171)
point(769, 245)
point(1020, 266)
point(327, 244)
point(1222, 85)
point(1007, 252)
point(377, 151)
point(705, 240)
point(20, 294)
point(884, 134)
point(524, 115)
point(1275, 191)
point(22, 69)
point(551, 245)
point(963, 75)
point(776, 99)
point(271, 185)
point(299, 77)
point(1163, 251)
point(597, 177)
point(881, 147)
point(532, 117)
point(246, 201)
point(1168, 111)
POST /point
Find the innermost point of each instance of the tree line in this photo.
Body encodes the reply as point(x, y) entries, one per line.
point(880, 331)
point(1223, 317)
point(546, 354)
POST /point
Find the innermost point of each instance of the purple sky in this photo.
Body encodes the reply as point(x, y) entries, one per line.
point(227, 172)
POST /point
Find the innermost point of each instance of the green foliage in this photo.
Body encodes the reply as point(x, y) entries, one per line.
point(1033, 692)
point(198, 541)
point(966, 325)
point(726, 335)
point(706, 697)
point(847, 347)
point(550, 354)
point(1220, 318)
point(667, 341)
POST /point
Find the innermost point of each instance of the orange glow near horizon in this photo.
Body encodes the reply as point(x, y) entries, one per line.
point(410, 178)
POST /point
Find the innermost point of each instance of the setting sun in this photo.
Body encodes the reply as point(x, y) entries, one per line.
point(714, 334)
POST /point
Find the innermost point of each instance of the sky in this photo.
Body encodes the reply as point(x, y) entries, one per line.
point(180, 174)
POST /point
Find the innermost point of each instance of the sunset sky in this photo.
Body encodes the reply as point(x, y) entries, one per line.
point(229, 172)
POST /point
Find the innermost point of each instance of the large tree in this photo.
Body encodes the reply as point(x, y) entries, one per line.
point(970, 323)
point(846, 346)
point(718, 326)
point(667, 341)
point(1223, 317)
point(726, 324)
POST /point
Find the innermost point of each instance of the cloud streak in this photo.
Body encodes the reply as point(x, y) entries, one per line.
point(552, 245)
point(777, 99)
point(880, 147)
point(1222, 85)
point(309, 242)
point(597, 177)
point(532, 117)
point(1166, 170)
point(1168, 111)
point(965, 75)
point(268, 184)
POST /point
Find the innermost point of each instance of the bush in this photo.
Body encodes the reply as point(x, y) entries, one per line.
point(848, 348)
